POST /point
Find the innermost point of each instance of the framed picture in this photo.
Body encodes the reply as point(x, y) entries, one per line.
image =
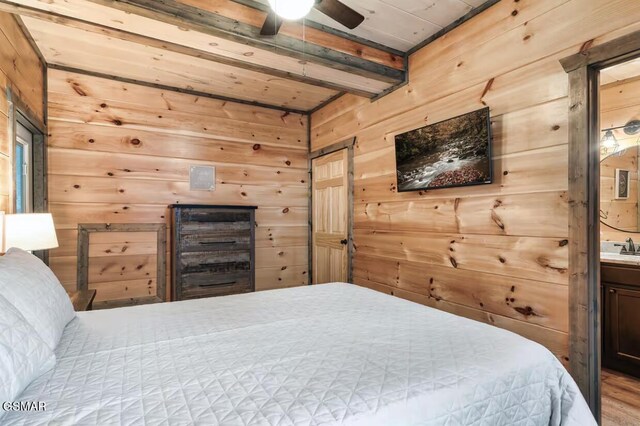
point(450, 153)
point(622, 184)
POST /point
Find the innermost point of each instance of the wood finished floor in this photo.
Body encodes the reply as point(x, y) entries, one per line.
point(620, 399)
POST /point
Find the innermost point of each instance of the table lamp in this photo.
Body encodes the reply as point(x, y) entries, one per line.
point(28, 231)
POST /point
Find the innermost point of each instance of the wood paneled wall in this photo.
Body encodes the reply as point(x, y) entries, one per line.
point(620, 213)
point(120, 153)
point(496, 253)
point(22, 72)
point(619, 104)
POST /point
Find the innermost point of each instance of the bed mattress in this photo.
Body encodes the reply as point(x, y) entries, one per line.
point(314, 355)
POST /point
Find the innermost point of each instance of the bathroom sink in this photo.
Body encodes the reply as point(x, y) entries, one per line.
point(620, 258)
point(610, 253)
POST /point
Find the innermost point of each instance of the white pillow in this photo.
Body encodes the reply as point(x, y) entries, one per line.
point(29, 285)
point(23, 354)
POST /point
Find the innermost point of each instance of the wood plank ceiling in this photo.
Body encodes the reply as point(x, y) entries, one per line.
point(624, 71)
point(213, 47)
point(400, 24)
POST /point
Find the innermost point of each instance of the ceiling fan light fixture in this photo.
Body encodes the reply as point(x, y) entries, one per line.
point(291, 9)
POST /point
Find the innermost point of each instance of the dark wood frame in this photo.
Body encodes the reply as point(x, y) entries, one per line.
point(85, 229)
point(584, 208)
point(349, 145)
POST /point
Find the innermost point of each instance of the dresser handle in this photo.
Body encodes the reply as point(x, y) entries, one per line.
point(212, 243)
point(213, 285)
point(611, 290)
point(207, 265)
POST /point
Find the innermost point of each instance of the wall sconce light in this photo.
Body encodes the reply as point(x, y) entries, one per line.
point(609, 141)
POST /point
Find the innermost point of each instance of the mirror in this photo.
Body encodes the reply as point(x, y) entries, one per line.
point(619, 190)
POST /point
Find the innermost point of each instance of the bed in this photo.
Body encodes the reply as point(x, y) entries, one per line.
point(325, 354)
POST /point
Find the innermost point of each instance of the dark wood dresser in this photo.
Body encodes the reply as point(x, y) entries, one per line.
point(213, 250)
point(621, 318)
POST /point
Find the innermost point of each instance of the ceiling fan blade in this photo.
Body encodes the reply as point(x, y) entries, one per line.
point(271, 24)
point(340, 12)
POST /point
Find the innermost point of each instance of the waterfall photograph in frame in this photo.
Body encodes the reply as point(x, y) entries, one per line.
point(451, 153)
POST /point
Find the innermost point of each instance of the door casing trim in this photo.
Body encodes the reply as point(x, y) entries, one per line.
point(583, 70)
point(349, 145)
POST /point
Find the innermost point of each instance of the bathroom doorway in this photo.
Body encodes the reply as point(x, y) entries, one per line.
point(587, 139)
point(619, 111)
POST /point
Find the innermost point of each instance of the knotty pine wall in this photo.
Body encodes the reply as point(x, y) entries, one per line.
point(619, 104)
point(495, 253)
point(620, 213)
point(22, 72)
point(120, 153)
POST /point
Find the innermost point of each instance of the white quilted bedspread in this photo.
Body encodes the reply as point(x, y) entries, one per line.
point(329, 354)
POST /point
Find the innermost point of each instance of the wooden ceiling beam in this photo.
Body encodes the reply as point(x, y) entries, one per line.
point(253, 12)
point(205, 21)
point(21, 10)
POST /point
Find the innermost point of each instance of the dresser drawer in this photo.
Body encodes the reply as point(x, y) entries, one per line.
point(209, 285)
point(213, 261)
point(216, 241)
point(213, 228)
point(203, 280)
point(213, 267)
point(214, 215)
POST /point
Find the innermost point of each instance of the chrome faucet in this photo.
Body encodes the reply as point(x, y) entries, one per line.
point(631, 249)
point(628, 248)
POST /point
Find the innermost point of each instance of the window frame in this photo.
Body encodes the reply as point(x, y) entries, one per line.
point(27, 192)
point(19, 112)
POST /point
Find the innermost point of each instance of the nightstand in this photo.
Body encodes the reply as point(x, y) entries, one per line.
point(82, 300)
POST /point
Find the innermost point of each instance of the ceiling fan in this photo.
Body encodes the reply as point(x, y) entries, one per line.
point(295, 9)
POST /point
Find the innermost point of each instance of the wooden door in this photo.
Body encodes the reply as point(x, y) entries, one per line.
point(330, 224)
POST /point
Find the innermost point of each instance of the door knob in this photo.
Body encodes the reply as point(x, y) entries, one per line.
point(344, 242)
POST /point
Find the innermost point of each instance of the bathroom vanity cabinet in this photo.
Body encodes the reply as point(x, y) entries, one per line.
point(621, 318)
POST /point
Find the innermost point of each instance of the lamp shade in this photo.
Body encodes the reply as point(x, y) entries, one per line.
point(29, 231)
point(1, 232)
